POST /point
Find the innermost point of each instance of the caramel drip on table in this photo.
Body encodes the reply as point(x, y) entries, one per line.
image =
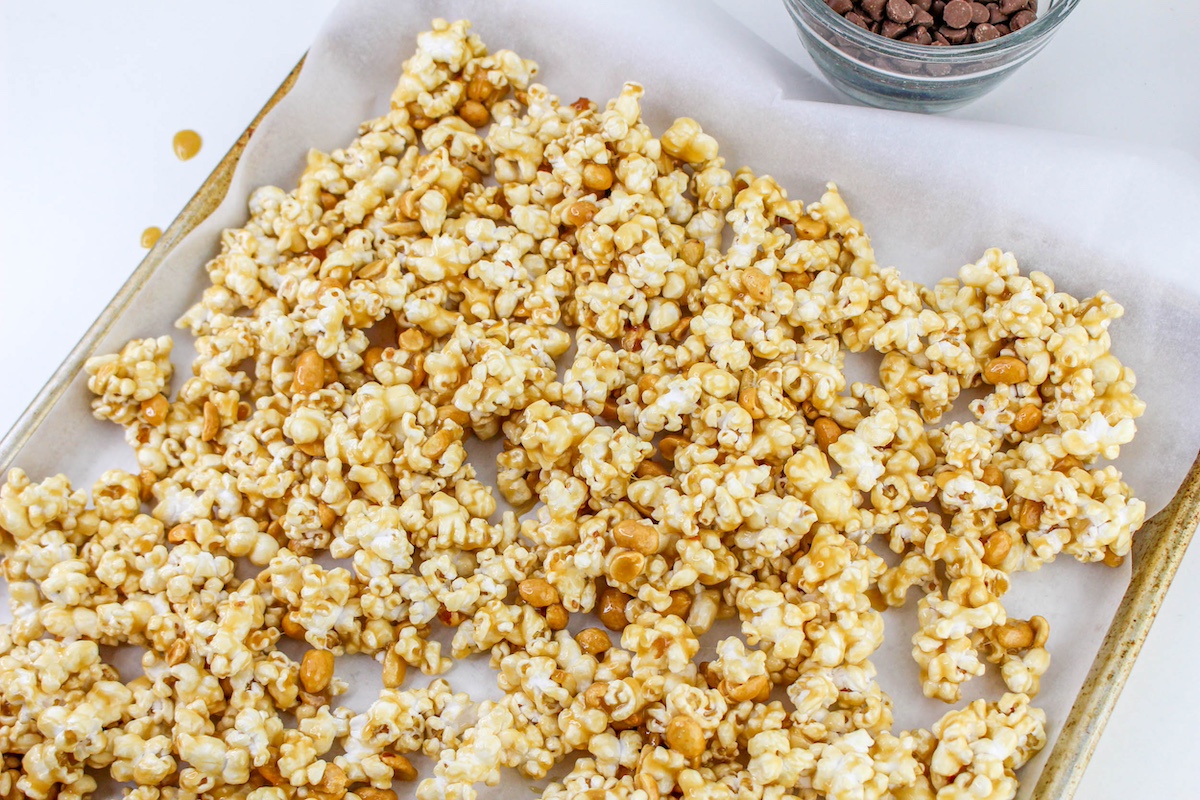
point(150, 236)
point(187, 144)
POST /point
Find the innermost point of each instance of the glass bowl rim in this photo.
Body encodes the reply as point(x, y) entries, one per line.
point(1015, 41)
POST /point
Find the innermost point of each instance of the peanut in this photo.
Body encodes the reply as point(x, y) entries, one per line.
point(626, 565)
point(316, 670)
point(597, 177)
point(1005, 369)
point(310, 373)
point(537, 592)
point(685, 736)
point(593, 641)
point(155, 409)
point(611, 609)
point(827, 432)
point(1028, 419)
point(637, 536)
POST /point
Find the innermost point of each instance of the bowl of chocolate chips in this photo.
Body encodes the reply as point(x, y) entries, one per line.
point(923, 55)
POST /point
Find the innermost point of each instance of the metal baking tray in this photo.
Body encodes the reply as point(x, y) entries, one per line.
point(1157, 552)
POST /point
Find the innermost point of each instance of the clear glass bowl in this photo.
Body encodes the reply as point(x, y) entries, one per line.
point(913, 77)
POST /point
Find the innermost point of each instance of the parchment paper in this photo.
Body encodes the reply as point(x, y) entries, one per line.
point(932, 192)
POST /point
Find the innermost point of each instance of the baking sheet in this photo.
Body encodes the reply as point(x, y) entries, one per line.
point(933, 193)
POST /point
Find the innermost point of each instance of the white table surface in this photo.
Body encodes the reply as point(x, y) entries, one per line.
point(91, 94)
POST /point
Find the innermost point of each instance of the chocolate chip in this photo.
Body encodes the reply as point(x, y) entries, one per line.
point(955, 35)
point(857, 20)
point(1021, 19)
point(957, 14)
point(900, 11)
point(874, 8)
point(985, 33)
point(937, 22)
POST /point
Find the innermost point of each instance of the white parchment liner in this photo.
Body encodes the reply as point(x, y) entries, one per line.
point(932, 192)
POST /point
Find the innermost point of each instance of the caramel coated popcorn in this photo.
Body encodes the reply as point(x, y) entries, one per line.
point(658, 346)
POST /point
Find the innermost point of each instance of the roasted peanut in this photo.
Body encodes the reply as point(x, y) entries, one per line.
point(810, 228)
point(371, 793)
point(316, 670)
point(291, 628)
point(474, 113)
point(371, 359)
point(629, 723)
point(327, 516)
point(827, 432)
point(580, 213)
point(593, 696)
point(402, 768)
point(1028, 419)
point(1067, 463)
point(154, 410)
point(692, 252)
point(996, 547)
point(557, 617)
point(757, 284)
point(681, 603)
point(626, 565)
point(310, 373)
point(1014, 635)
point(270, 773)
point(537, 592)
point(597, 177)
point(1005, 369)
point(993, 476)
point(685, 736)
point(797, 280)
point(437, 444)
point(748, 399)
point(333, 781)
point(593, 641)
point(651, 469)
point(749, 690)
point(637, 536)
point(611, 609)
point(1030, 516)
point(395, 669)
point(670, 444)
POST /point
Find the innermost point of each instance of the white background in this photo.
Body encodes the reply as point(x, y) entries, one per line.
point(91, 95)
